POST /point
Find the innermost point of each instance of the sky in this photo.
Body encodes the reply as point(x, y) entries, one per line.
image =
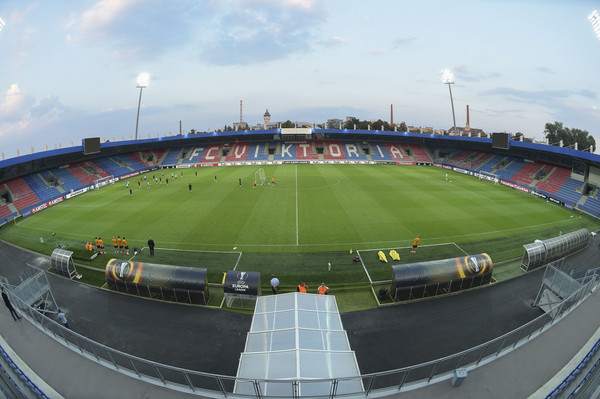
point(68, 69)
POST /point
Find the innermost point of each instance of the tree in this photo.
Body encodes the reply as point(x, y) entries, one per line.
point(351, 122)
point(287, 124)
point(555, 132)
point(334, 123)
point(380, 125)
point(403, 127)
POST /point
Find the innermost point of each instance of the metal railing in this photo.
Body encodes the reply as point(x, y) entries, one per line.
point(214, 385)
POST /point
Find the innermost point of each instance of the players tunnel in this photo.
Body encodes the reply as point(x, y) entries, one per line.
point(438, 277)
point(168, 283)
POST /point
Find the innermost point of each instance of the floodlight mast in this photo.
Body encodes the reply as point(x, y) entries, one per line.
point(142, 81)
point(448, 78)
point(595, 20)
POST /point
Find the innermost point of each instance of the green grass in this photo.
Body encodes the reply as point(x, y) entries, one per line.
point(313, 215)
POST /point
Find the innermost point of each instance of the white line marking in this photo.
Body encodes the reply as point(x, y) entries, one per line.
point(463, 251)
point(364, 267)
point(237, 262)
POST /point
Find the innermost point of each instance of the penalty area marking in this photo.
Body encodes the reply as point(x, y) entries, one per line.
point(460, 249)
point(363, 265)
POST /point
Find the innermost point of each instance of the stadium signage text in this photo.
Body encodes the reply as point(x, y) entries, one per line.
point(76, 193)
point(515, 186)
point(130, 175)
point(47, 204)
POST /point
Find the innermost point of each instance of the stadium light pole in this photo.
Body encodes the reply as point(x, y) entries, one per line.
point(142, 81)
point(448, 78)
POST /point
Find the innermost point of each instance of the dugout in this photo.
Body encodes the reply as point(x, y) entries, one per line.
point(168, 283)
point(438, 277)
point(62, 263)
point(540, 253)
point(241, 289)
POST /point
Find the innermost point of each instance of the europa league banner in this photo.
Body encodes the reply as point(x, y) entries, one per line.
point(178, 277)
point(443, 270)
point(238, 282)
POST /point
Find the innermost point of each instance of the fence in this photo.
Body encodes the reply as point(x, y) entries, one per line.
point(388, 382)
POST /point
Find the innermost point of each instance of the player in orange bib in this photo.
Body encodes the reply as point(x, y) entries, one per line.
point(415, 244)
point(120, 242)
point(125, 246)
point(115, 244)
point(101, 245)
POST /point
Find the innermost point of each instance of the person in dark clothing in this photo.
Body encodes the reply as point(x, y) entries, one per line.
point(190, 187)
point(151, 246)
point(9, 305)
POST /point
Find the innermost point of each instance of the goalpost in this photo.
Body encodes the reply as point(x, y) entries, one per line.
point(103, 181)
point(489, 176)
point(260, 177)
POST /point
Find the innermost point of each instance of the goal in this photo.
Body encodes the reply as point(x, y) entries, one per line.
point(103, 181)
point(489, 176)
point(260, 177)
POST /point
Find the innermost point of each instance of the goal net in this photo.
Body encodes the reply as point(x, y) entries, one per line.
point(103, 181)
point(489, 176)
point(260, 177)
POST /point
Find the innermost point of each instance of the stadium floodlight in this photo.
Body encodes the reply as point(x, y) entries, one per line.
point(595, 20)
point(448, 78)
point(142, 81)
point(2, 24)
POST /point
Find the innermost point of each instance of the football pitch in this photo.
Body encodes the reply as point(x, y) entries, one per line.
point(312, 216)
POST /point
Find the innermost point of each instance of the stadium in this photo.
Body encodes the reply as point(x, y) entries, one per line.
point(507, 248)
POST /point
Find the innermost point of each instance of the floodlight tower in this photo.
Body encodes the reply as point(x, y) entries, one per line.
point(2, 24)
point(142, 81)
point(595, 20)
point(448, 78)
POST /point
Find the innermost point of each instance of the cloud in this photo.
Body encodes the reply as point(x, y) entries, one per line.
point(15, 105)
point(49, 108)
point(136, 29)
point(463, 73)
point(543, 97)
point(404, 42)
point(334, 42)
point(544, 70)
point(20, 116)
point(260, 31)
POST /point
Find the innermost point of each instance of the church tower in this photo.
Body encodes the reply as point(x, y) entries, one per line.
point(267, 118)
